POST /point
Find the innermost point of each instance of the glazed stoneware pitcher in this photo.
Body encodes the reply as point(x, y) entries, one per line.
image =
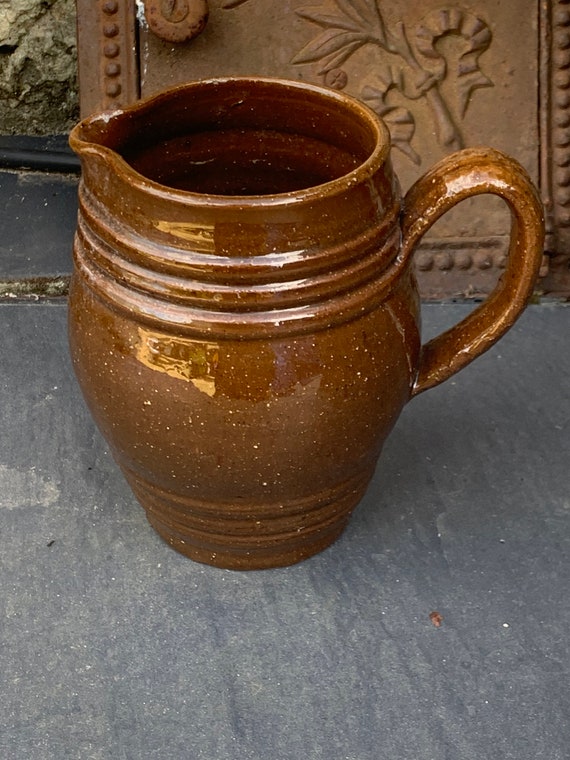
point(244, 318)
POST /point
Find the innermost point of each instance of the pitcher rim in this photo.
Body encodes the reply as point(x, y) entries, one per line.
point(361, 173)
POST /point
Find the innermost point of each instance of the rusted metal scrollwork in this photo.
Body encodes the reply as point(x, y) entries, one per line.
point(176, 20)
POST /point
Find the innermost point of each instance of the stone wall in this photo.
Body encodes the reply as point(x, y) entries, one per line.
point(38, 71)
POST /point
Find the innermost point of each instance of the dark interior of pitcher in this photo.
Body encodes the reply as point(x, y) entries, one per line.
point(239, 138)
point(242, 162)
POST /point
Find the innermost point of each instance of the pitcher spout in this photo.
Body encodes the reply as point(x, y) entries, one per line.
point(97, 141)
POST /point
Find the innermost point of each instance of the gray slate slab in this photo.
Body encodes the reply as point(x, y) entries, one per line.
point(115, 647)
point(38, 213)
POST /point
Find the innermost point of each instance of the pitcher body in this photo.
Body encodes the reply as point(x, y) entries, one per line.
point(244, 317)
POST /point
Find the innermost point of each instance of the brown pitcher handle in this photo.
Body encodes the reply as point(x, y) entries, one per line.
point(455, 178)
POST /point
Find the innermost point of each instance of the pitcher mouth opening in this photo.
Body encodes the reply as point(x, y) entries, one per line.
point(252, 140)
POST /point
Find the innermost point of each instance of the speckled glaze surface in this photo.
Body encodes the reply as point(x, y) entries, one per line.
point(244, 319)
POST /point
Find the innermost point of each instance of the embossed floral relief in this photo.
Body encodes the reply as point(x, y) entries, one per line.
point(407, 60)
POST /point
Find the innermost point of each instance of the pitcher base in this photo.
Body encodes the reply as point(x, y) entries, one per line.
point(241, 537)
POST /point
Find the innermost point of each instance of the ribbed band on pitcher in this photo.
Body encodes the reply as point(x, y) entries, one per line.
point(278, 293)
point(256, 534)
